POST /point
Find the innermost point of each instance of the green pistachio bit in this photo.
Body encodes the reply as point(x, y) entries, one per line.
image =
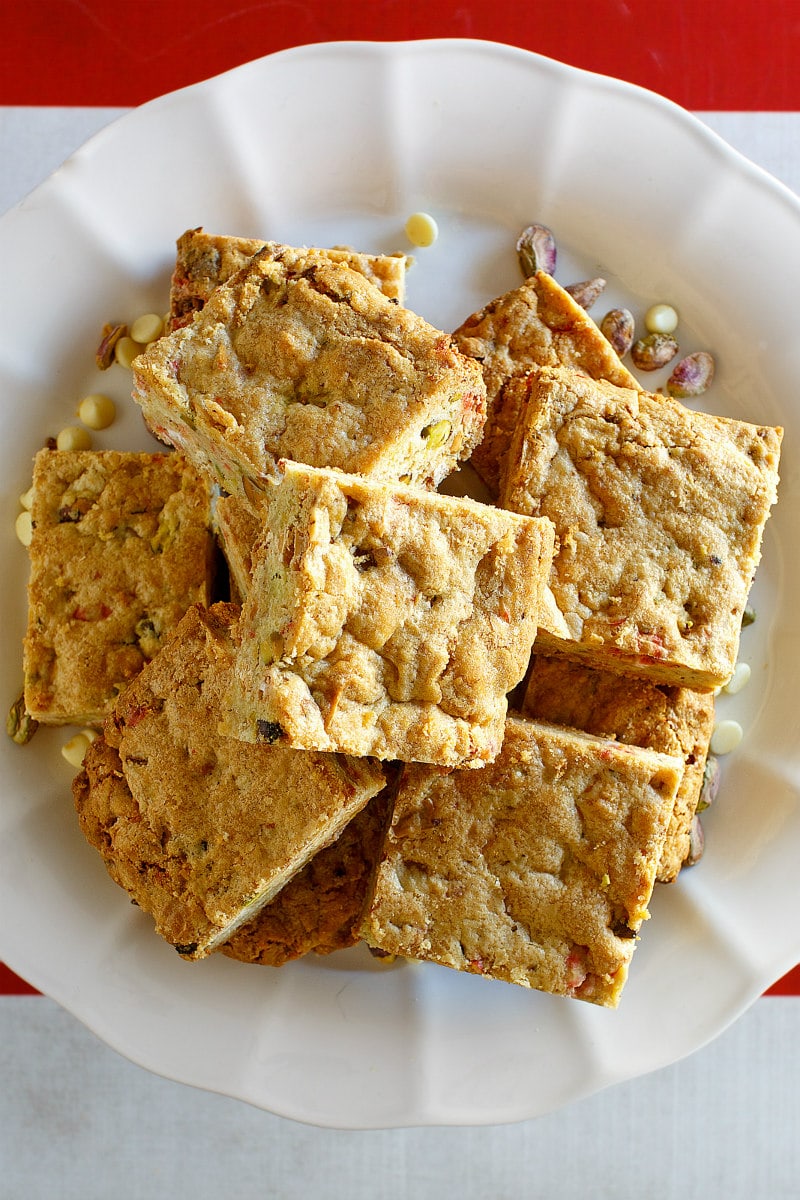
point(110, 335)
point(436, 435)
point(20, 725)
point(748, 616)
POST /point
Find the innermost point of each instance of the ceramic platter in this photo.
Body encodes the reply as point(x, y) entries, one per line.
point(338, 144)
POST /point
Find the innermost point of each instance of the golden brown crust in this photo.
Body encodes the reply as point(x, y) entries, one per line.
point(671, 720)
point(302, 358)
point(202, 830)
point(319, 909)
point(204, 261)
point(659, 514)
point(121, 548)
point(536, 324)
point(386, 620)
point(536, 870)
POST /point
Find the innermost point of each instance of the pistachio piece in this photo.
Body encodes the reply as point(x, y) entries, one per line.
point(697, 843)
point(653, 351)
point(710, 785)
point(586, 292)
point(619, 328)
point(436, 435)
point(748, 616)
point(110, 335)
point(692, 375)
point(536, 250)
point(20, 725)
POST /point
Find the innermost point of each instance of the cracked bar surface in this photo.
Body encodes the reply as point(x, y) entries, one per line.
point(205, 260)
point(298, 357)
point(672, 720)
point(200, 829)
point(121, 548)
point(386, 620)
point(536, 870)
point(536, 324)
point(659, 514)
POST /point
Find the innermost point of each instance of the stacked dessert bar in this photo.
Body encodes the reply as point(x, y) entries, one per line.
point(331, 754)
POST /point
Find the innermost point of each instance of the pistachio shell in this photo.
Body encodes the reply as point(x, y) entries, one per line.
point(536, 250)
point(654, 351)
point(586, 292)
point(110, 335)
point(619, 328)
point(710, 785)
point(692, 376)
point(697, 843)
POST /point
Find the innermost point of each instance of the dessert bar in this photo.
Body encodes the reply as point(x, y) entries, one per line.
point(298, 357)
point(385, 620)
point(659, 513)
point(536, 324)
point(200, 829)
point(537, 870)
point(121, 548)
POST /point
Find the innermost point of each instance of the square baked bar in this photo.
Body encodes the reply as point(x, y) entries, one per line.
point(536, 324)
point(201, 830)
point(537, 870)
point(386, 620)
point(205, 260)
point(672, 720)
point(121, 548)
point(659, 514)
point(299, 357)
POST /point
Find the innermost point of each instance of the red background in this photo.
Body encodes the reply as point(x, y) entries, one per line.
point(705, 54)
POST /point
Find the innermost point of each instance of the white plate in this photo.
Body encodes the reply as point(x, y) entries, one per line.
point(338, 144)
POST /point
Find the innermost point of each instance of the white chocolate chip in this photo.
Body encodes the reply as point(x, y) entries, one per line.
point(75, 749)
point(726, 737)
point(97, 411)
point(147, 328)
point(23, 527)
point(74, 438)
point(739, 678)
point(661, 318)
point(126, 351)
point(421, 229)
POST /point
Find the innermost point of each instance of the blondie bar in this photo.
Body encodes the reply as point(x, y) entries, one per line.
point(385, 620)
point(659, 514)
point(202, 830)
point(303, 358)
point(672, 720)
point(537, 324)
point(537, 870)
point(121, 548)
point(320, 909)
point(205, 260)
